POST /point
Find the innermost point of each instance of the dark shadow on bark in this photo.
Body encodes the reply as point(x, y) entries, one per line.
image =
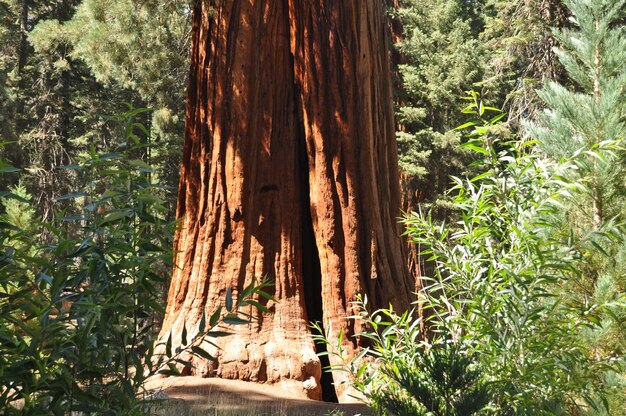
point(311, 268)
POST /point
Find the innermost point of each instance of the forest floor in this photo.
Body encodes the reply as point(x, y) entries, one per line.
point(195, 396)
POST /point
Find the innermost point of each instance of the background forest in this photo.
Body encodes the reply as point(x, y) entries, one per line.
point(510, 125)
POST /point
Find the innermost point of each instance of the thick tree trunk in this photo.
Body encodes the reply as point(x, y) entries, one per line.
point(290, 171)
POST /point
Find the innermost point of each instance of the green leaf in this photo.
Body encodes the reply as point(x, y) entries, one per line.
point(481, 176)
point(202, 326)
point(168, 345)
point(233, 319)
point(71, 196)
point(218, 334)
point(215, 317)
point(111, 156)
point(465, 125)
point(256, 305)
point(497, 118)
point(229, 300)
point(140, 165)
point(115, 216)
point(170, 371)
point(43, 276)
point(134, 111)
point(475, 148)
point(202, 353)
point(184, 334)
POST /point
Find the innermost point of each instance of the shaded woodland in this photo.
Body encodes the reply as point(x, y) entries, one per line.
point(420, 203)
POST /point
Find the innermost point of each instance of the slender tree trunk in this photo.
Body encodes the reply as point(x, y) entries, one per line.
point(22, 56)
point(289, 170)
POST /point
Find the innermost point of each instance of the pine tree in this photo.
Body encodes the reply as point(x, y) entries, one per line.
point(36, 110)
point(441, 57)
point(138, 52)
point(519, 36)
point(586, 123)
point(66, 64)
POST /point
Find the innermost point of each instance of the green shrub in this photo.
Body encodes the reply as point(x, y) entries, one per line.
point(497, 314)
point(495, 289)
point(410, 376)
point(77, 315)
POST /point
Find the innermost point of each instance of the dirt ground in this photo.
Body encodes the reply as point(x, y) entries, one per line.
point(195, 396)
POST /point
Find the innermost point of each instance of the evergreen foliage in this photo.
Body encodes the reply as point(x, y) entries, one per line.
point(587, 123)
point(140, 47)
point(65, 64)
point(441, 57)
point(18, 211)
point(521, 57)
point(37, 91)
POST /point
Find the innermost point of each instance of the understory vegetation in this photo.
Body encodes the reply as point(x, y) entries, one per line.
point(518, 216)
point(80, 312)
point(524, 310)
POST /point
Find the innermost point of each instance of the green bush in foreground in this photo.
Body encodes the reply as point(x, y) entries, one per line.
point(77, 315)
point(497, 289)
point(497, 314)
point(529, 284)
point(411, 376)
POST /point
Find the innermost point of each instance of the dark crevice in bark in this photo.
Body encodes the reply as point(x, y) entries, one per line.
point(312, 277)
point(311, 268)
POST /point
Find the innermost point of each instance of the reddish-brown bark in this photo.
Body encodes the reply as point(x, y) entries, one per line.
point(289, 170)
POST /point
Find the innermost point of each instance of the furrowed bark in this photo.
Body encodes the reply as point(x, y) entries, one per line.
point(289, 171)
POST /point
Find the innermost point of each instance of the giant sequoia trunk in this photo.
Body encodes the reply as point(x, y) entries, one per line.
point(289, 171)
